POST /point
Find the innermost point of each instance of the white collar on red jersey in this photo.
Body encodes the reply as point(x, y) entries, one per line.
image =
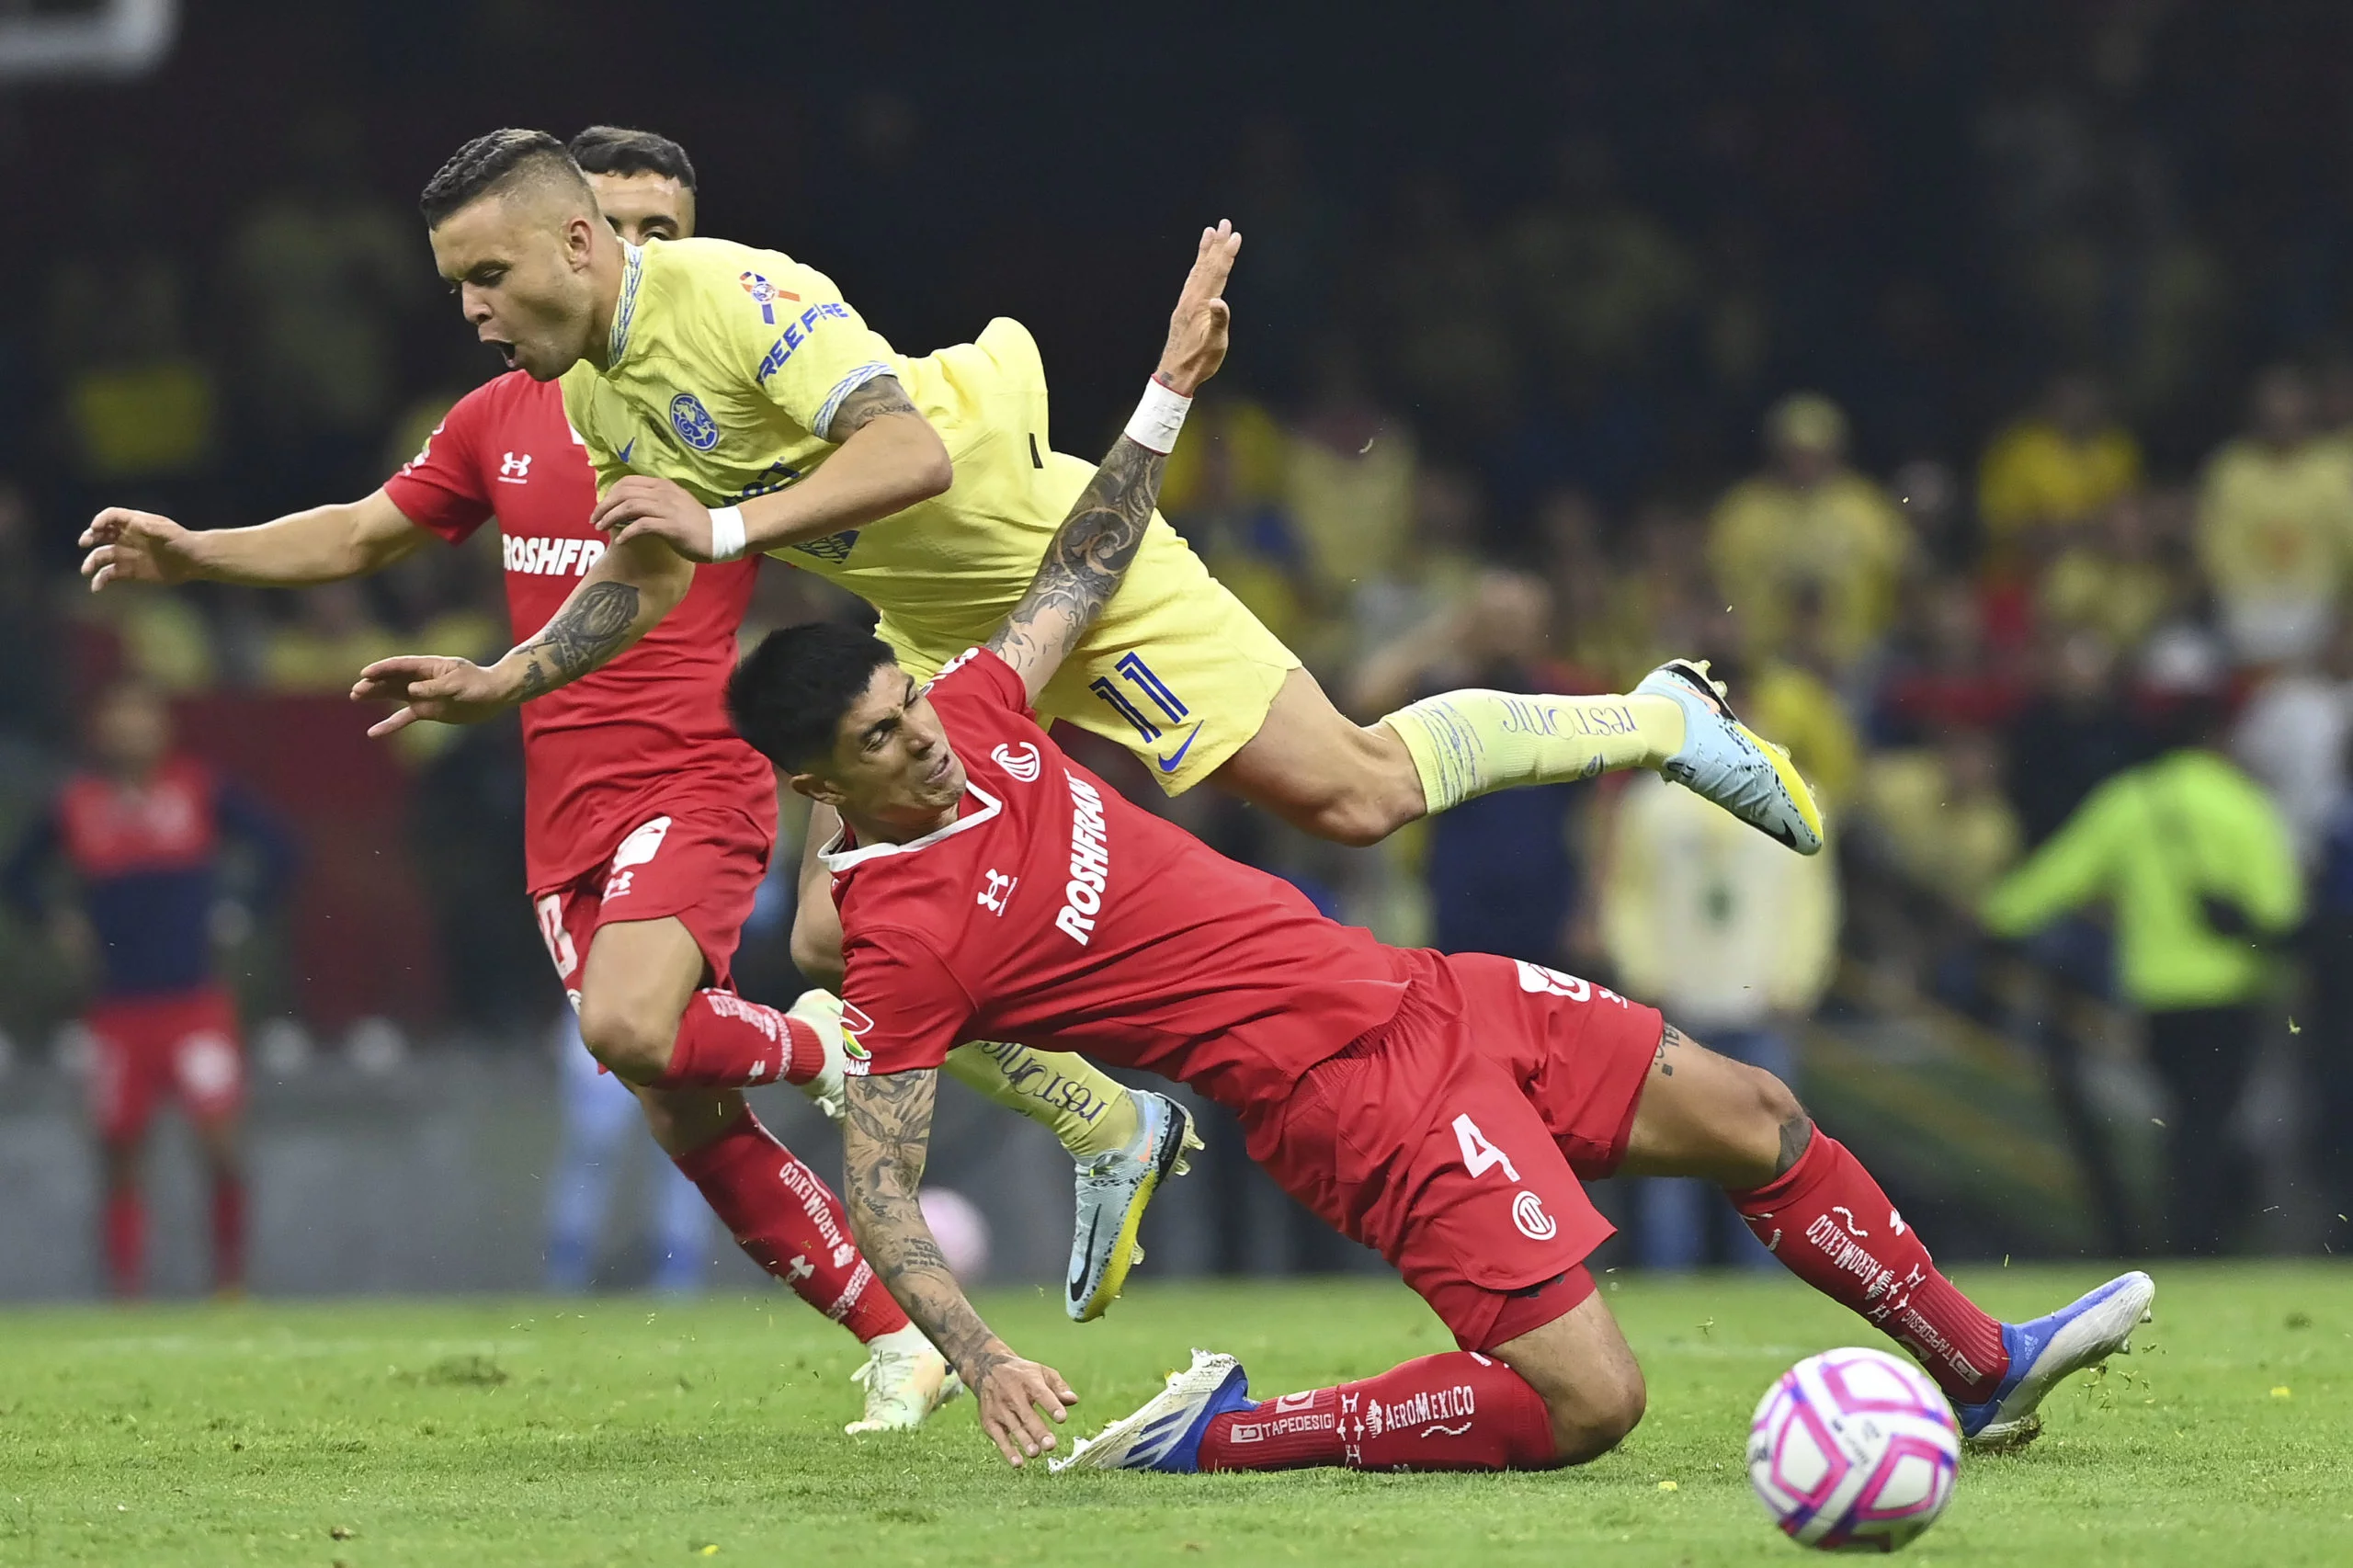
point(838, 859)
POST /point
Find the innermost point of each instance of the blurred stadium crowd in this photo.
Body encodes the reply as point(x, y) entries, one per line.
point(1972, 384)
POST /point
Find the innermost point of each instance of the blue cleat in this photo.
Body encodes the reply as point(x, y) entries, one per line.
point(1165, 1435)
point(1725, 761)
point(2049, 1350)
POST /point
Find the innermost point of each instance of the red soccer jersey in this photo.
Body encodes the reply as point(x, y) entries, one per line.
point(648, 733)
point(1054, 914)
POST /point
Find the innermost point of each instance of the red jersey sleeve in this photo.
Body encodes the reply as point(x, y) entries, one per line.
point(979, 674)
point(441, 489)
point(901, 1008)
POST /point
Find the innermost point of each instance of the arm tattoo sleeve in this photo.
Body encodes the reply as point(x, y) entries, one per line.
point(584, 634)
point(885, 1135)
point(1089, 556)
point(878, 397)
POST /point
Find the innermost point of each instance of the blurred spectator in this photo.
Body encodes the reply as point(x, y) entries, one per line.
point(1502, 878)
point(2053, 470)
point(1736, 937)
point(1349, 481)
point(333, 635)
point(1943, 672)
point(1791, 697)
point(2196, 863)
point(2110, 577)
point(1223, 492)
point(2291, 736)
point(1434, 569)
point(1438, 288)
point(137, 403)
point(129, 874)
point(2275, 525)
point(1808, 523)
point(1940, 811)
point(321, 275)
point(604, 1131)
point(2073, 733)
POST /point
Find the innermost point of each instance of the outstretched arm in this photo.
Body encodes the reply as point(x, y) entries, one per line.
point(1097, 542)
point(324, 544)
point(623, 597)
point(886, 1135)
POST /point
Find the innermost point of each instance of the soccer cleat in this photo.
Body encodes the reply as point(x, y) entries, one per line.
point(2083, 1334)
point(1165, 1435)
point(1114, 1189)
point(905, 1380)
point(821, 1011)
point(1725, 761)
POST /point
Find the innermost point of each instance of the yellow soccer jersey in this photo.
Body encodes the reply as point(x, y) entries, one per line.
point(725, 359)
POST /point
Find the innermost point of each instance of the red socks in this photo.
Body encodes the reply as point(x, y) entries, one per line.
point(725, 1042)
point(790, 1223)
point(228, 1233)
point(126, 1239)
point(1457, 1411)
point(1830, 1225)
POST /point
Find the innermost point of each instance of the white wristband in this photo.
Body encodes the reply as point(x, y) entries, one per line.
point(726, 532)
point(1158, 417)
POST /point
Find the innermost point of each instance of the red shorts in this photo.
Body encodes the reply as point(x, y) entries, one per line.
point(184, 1043)
point(1452, 1139)
point(702, 867)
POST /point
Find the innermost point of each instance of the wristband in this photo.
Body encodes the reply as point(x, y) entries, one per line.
point(726, 532)
point(1158, 417)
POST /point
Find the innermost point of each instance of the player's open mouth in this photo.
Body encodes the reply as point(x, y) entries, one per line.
point(505, 351)
point(939, 772)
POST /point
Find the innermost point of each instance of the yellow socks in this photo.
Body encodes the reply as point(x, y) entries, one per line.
point(1467, 743)
point(1090, 1112)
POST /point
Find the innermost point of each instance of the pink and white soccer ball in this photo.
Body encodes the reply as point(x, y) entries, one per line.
point(1854, 1450)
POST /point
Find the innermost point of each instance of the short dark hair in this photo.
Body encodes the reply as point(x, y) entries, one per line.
point(488, 162)
point(617, 150)
point(789, 695)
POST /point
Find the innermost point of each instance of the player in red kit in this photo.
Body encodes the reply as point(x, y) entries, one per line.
point(1441, 1110)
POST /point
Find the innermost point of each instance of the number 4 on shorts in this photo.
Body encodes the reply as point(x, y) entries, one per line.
point(1479, 1156)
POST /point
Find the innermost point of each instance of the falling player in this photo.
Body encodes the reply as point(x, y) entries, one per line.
point(733, 402)
point(141, 833)
point(649, 826)
point(1441, 1110)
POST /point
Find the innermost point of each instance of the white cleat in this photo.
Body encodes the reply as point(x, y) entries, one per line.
point(905, 1380)
point(821, 1011)
point(1114, 1189)
point(1166, 1434)
point(1725, 761)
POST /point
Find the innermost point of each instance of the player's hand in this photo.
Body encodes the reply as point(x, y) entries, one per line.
point(1197, 329)
point(136, 547)
point(450, 691)
point(1011, 1392)
point(642, 505)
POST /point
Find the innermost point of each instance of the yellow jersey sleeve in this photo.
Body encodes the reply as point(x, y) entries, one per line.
point(785, 329)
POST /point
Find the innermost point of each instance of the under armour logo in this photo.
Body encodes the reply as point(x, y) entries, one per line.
point(800, 1267)
point(514, 470)
point(1000, 887)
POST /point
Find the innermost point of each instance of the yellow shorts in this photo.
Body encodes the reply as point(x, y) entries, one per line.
point(1178, 670)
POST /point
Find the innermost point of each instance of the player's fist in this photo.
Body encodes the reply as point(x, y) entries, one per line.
point(136, 547)
point(1197, 329)
point(450, 691)
point(1011, 1392)
point(641, 506)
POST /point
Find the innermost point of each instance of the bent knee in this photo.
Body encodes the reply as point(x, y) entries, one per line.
point(1596, 1419)
point(630, 1041)
point(1354, 820)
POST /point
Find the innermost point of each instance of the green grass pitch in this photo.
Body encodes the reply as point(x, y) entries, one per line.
point(636, 1431)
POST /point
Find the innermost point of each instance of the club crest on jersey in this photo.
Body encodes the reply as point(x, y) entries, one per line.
point(693, 422)
point(765, 294)
point(1021, 761)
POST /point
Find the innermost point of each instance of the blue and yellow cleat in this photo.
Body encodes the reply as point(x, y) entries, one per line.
point(1725, 761)
point(1114, 1189)
point(1165, 1435)
point(2049, 1350)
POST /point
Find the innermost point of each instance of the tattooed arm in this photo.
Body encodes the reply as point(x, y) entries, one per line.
point(888, 457)
point(885, 1133)
point(623, 597)
point(1090, 554)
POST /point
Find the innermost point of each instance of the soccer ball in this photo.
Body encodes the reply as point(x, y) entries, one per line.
point(1853, 1451)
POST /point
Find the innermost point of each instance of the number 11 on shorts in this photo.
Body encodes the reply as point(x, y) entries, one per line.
point(1479, 1156)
